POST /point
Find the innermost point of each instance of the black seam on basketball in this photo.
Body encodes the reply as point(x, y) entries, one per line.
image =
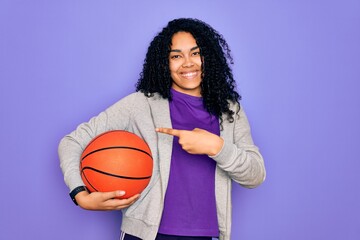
point(82, 172)
point(115, 147)
point(113, 175)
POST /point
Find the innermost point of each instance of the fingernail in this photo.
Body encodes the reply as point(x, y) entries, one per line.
point(121, 193)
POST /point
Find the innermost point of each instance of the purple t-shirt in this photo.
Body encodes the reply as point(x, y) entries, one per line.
point(190, 207)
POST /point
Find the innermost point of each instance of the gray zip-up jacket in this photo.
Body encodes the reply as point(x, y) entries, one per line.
point(238, 160)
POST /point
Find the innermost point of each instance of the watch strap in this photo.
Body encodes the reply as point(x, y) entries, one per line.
point(75, 191)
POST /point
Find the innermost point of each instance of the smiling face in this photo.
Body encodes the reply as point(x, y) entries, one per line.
point(185, 64)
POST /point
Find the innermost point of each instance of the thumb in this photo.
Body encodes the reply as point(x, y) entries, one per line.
point(111, 195)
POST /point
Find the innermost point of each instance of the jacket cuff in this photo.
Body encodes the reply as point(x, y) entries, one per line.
point(226, 151)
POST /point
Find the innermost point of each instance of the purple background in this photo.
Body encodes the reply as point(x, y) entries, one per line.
point(297, 64)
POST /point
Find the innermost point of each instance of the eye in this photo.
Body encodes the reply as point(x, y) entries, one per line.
point(175, 56)
point(196, 53)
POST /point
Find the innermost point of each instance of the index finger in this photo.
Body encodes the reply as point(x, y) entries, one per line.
point(170, 131)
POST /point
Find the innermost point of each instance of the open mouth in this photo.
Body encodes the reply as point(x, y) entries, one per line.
point(189, 75)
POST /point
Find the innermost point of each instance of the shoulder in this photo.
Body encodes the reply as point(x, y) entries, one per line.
point(235, 107)
point(139, 96)
point(138, 100)
point(239, 114)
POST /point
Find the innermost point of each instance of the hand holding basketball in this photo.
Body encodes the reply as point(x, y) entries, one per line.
point(104, 200)
point(116, 160)
point(196, 141)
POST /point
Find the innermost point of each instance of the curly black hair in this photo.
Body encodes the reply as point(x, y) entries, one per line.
point(217, 85)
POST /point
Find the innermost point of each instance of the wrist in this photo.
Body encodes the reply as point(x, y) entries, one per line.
point(76, 192)
point(82, 200)
point(216, 147)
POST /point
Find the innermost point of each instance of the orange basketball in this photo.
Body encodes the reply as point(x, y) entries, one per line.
point(116, 160)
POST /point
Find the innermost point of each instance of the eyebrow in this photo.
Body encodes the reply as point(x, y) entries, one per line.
point(178, 50)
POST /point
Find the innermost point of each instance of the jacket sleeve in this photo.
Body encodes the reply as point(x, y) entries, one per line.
point(72, 145)
point(239, 157)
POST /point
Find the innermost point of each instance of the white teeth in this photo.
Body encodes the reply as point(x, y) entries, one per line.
point(190, 74)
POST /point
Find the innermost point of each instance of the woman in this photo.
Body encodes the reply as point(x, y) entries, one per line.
point(187, 110)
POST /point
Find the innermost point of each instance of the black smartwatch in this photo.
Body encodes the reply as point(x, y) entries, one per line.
point(76, 191)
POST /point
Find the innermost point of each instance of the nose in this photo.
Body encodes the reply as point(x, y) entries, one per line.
point(188, 62)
